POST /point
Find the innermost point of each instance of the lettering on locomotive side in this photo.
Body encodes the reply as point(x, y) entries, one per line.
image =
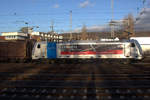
point(91, 49)
point(69, 46)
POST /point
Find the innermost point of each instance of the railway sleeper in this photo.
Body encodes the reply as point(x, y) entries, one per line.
point(74, 96)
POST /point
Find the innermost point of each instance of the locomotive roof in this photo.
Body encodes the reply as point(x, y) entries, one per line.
point(91, 41)
point(96, 41)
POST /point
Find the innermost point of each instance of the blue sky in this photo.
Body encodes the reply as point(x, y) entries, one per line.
point(14, 13)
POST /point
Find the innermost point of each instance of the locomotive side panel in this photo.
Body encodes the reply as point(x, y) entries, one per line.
point(96, 50)
point(51, 50)
point(44, 50)
point(104, 50)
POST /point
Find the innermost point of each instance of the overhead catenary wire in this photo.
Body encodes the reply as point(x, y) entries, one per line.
point(60, 13)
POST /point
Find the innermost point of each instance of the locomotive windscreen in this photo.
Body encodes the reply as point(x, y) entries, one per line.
point(91, 49)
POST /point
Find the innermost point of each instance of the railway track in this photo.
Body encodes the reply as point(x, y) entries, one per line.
point(75, 82)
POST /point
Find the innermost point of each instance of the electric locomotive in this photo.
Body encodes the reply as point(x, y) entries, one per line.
point(88, 50)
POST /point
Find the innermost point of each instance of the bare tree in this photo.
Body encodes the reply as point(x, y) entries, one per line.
point(84, 35)
point(128, 26)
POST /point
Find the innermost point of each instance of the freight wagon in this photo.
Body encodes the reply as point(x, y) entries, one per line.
point(87, 50)
point(15, 50)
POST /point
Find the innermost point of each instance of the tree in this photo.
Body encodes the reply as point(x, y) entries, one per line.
point(84, 33)
point(128, 26)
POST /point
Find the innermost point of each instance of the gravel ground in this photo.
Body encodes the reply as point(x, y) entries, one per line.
point(82, 81)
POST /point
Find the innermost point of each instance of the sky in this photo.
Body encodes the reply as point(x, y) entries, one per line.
point(15, 14)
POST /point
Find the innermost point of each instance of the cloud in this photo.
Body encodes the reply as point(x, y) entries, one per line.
point(56, 6)
point(148, 2)
point(142, 22)
point(96, 28)
point(85, 4)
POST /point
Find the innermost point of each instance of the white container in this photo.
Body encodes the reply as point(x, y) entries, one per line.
point(145, 44)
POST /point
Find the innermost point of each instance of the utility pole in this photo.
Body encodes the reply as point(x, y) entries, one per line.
point(112, 7)
point(29, 37)
point(112, 24)
point(70, 25)
point(52, 26)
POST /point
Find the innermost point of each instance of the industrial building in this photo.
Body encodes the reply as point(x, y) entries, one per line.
point(39, 36)
point(14, 35)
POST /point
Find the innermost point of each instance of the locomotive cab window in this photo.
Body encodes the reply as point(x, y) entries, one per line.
point(38, 46)
point(132, 45)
